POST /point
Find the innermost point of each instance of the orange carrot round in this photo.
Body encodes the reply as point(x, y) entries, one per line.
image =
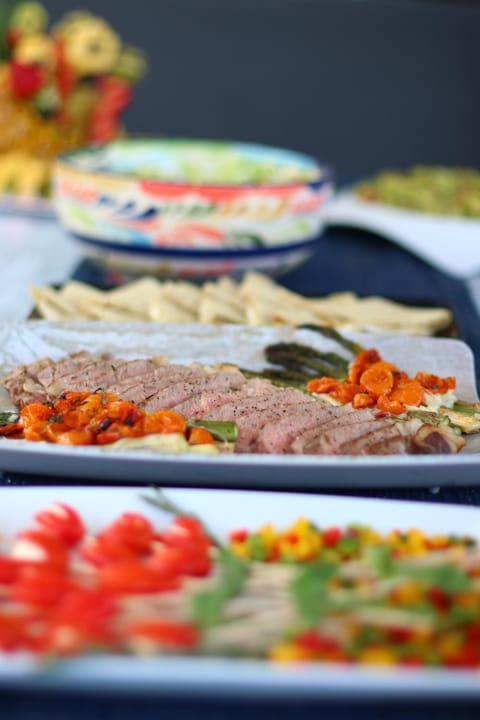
point(363, 400)
point(409, 392)
point(378, 378)
point(387, 404)
point(434, 383)
point(200, 436)
point(322, 385)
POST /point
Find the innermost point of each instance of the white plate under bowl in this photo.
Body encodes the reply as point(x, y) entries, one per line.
point(34, 207)
point(450, 244)
point(244, 345)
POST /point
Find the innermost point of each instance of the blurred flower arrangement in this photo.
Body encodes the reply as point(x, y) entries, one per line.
point(60, 88)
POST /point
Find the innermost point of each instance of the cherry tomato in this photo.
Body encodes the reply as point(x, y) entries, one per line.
point(8, 570)
point(332, 536)
point(82, 620)
point(132, 577)
point(103, 551)
point(167, 561)
point(130, 530)
point(12, 631)
point(164, 633)
point(41, 547)
point(63, 522)
point(40, 586)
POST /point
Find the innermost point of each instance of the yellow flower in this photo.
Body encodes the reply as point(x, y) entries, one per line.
point(35, 49)
point(91, 47)
point(29, 18)
point(131, 64)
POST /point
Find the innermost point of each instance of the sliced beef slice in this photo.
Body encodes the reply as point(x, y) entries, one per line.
point(140, 388)
point(233, 411)
point(276, 437)
point(208, 401)
point(340, 440)
point(386, 439)
point(23, 383)
point(351, 416)
point(207, 379)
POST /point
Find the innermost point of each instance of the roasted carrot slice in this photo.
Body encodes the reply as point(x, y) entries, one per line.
point(386, 404)
point(199, 436)
point(434, 383)
point(346, 391)
point(12, 429)
point(409, 392)
point(322, 385)
point(81, 436)
point(363, 400)
point(35, 412)
point(378, 378)
point(362, 361)
point(164, 421)
point(367, 357)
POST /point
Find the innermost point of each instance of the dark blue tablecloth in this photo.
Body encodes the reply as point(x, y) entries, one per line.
point(345, 260)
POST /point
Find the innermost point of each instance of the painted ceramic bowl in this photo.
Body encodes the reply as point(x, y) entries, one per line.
point(192, 207)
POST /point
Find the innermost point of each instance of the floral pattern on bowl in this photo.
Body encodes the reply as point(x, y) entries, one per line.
point(255, 198)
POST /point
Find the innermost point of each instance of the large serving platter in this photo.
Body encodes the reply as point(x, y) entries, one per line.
point(25, 342)
point(448, 243)
point(219, 677)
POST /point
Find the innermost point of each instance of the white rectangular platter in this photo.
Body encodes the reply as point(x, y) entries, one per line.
point(216, 677)
point(25, 342)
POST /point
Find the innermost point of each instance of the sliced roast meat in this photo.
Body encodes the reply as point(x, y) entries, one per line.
point(330, 435)
point(276, 397)
point(140, 388)
point(276, 437)
point(375, 439)
point(51, 371)
point(251, 424)
point(203, 403)
point(208, 379)
point(308, 438)
point(23, 383)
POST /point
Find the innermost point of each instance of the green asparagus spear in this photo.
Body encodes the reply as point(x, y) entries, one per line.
point(304, 358)
point(333, 334)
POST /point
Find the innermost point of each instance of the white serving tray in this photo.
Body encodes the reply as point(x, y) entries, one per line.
point(25, 342)
point(219, 677)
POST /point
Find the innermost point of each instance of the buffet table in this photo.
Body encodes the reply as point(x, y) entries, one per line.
point(35, 251)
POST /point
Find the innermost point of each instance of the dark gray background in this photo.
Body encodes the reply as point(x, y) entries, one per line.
point(361, 84)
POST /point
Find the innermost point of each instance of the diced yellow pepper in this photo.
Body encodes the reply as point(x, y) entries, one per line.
point(377, 655)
